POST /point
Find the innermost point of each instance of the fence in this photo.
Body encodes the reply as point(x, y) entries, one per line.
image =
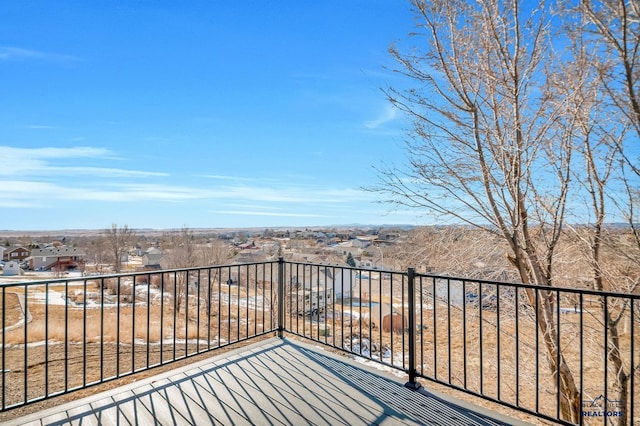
point(565, 355)
point(68, 334)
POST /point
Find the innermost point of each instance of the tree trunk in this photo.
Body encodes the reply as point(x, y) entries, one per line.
point(621, 377)
point(570, 396)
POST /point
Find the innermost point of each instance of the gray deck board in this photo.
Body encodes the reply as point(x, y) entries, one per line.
point(287, 398)
point(274, 382)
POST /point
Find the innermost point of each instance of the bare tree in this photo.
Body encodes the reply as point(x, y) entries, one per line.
point(599, 86)
point(185, 251)
point(272, 250)
point(118, 240)
point(216, 252)
point(180, 253)
point(453, 250)
point(487, 147)
point(615, 51)
point(97, 252)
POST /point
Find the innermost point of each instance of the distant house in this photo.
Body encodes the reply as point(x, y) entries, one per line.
point(343, 281)
point(388, 236)
point(2, 253)
point(282, 234)
point(347, 282)
point(136, 251)
point(362, 242)
point(11, 268)
point(16, 253)
point(249, 255)
point(152, 257)
point(61, 258)
point(366, 263)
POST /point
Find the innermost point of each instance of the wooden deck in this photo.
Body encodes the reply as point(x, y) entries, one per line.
point(278, 381)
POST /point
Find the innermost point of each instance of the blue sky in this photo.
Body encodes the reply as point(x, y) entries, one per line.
point(167, 114)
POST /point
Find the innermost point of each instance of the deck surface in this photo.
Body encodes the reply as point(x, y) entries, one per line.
point(278, 381)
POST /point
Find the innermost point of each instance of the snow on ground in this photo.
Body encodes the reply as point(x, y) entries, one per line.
point(369, 354)
point(375, 361)
point(168, 341)
point(50, 297)
point(215, 340)
point(383, 367)
point(253, 302)
point(354, 315)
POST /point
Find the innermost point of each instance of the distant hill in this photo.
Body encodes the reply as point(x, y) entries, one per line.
point(7, 233)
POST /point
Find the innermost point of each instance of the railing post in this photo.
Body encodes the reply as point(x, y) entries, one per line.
point(281, 297)
point(412, 384)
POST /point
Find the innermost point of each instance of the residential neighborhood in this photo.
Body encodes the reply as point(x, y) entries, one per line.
point(151, 250)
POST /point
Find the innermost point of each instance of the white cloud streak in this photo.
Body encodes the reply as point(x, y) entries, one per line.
point(40, 162)
point(42, 193)
point(389, 114)
point(39, 127)
point(104, 172)
point(54, 178)
point(257, 213)
point(11, 53)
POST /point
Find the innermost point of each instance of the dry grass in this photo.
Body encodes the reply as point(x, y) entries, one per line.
point(126, 324)
point(10, 308)
point(107, 341)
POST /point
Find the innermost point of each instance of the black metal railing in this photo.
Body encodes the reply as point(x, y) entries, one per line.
point(515, 344)
point(526, 347)
point(67, 334)
point(523, 345)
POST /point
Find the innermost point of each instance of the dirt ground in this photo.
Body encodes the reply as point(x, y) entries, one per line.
point(11, 304)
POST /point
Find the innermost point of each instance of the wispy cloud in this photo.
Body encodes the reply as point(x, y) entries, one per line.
point(9, 53)
point(38, 126)
point(389, 114)
point(43, 161)
point(51, 152)
point(291, 194)
point(104, 172)
point(44, 193)
point(26, 191)
point(26, 194)
point(257, 213)
point(51, 177)
point(144, 192)
point(228, 178)
point(254, 206)
point(246, 180)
